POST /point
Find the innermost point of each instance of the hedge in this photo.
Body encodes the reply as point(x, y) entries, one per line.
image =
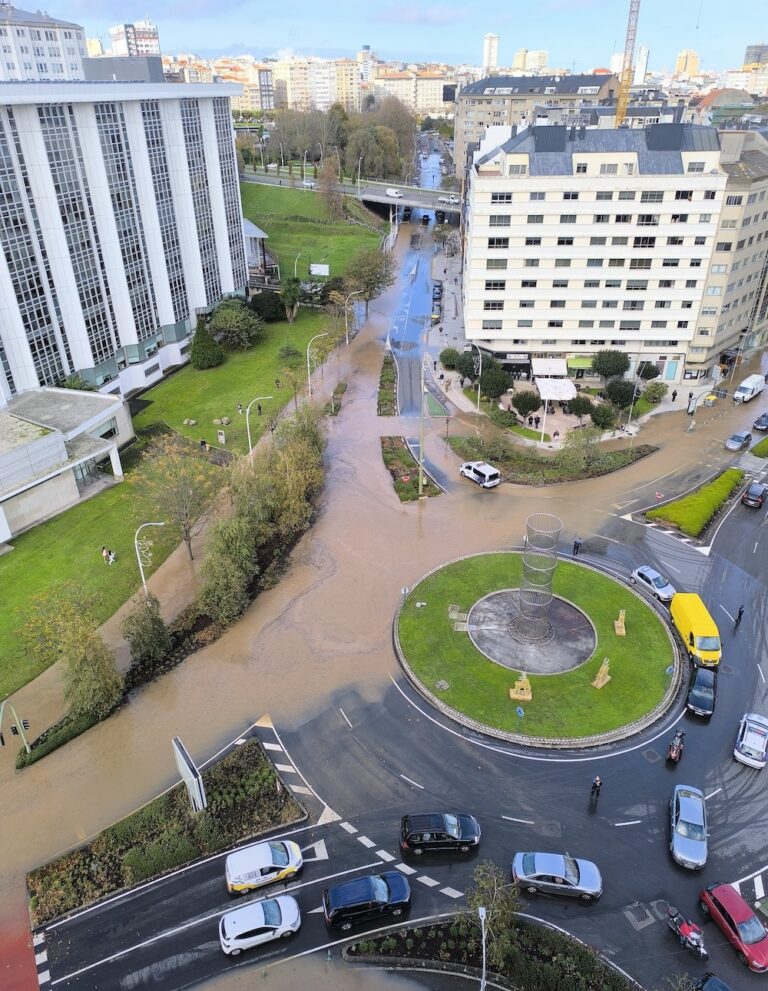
point(760, 450)
point(692, 513)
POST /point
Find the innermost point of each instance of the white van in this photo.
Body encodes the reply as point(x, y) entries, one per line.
point(752, 386)
point(484, 474)
point(395, 193)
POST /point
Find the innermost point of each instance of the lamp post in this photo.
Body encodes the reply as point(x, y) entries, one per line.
point(481, 913)
point(359, 163)
point(479, 372)
point(304, 167)
point(20, 724)
point(338, 159)
point(632, 404)
point(282, 159)
point(346, 315)
point(320, 146)
point(422, 387)
point(295, 264)
point(258, 399)
point(138, 554)
point(309, 373)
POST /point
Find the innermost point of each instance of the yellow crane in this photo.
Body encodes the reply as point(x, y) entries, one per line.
point(627, 69)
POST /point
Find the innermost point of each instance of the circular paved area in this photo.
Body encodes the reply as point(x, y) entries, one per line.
point(489, 627)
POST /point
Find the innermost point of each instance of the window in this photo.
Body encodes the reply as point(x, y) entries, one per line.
point(713, 291)
point(658, 324)
point(695, 167)
point(620, 241)
point(699, 241)
point(491, 324)
point(705, 218)
point(567, 218)
point(564, 241)
point(695, 262)
point(691, 283)
point(720, 269)
point(594, 262)
point(536, 196)
point(523, 323)
point(585, 323)
point(610, 304)
point(601, 218)
point(535, 218)
point(559, 283)
point(637, 285)
point(526, 304)
point(570, 196)
point(633, 304)
point(597, 241)
point(591, 283)
point(623, 218)
point(652, 196)
point(709, 194)
point(648, 220)
point(670, 263)
point(532, 241)
point(495, 284)
point(644, 242)
point(557, 304)
point(562, 262)
point(676, 241)
point(734, 200)
point(496, 263)
point(637, 263)
point(500, 220)
point(528, 283)
point(493, 304)
point(501, 197)
point(613, 283)
point(604, 194)
point(581, 168)
point(554, 323)
point(663, 304)
point(727, 225)
point(531, 263)
point(666, 284)
point(616, 262)
point(625, 194)
point(608, 168)
point(498, 242)
point(684, 194)
point(589, 304)
point(629, 325)
point(518, 170)
point(682, 324)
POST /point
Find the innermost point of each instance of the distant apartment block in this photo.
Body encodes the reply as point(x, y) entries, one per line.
point(490, 54)
point(756, 55)
point(120, 221)
point(34, 46)
point(687, 63)
point(140, 38)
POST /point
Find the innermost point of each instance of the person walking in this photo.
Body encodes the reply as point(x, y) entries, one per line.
point(576, 546)
point(239, 407)
point(739, 614)
point(111, 558)
point(537, 421)
point(597, 784)
point(105, 555)
point(674, 395)
point(530, 420)
point(690, 396)
point(277, 383)
point(258, 408)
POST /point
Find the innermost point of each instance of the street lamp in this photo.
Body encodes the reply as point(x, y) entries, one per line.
point(320, 146)
point(422, 388)
point(480, 371)
point(309, 373)
point(295, 274)
point(634, 397)
point(282, 160)
point(258, 399)
point(304, 167)
point(138, 554)
point(338, 159)
point(481, 913)
point(359, 163)
point(346, 315)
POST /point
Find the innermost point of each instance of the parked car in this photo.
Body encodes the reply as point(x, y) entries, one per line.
point(308, 183)
point(257, 923)
point(761, 423)
point(484, 474)
point(741, 926)
point(702, 693)
point(439, 216)
point(439, 832)
point(406, 213)
point(254, 866)
point(454, 199)
point(425, 219)
point(708, 982)
point(688, 826)
point(754, 495)
point(738, 441)
point(653, 581)
point(443, 199)
point(555, 874)
point(752, 740)
point(365, 899)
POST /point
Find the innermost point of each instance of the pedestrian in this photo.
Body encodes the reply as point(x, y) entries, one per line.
point(111, 557)
point(597, 784)
point(691, 426)
point(674, 395)
point(537, 421)
point(530, 421)
point(202, 443)
point(739, 614)
point(258, 408)
point(556, 435)
point(277, 383)
point(105, 554)
point(434, 366)
point(239, 407)
point(690, 396)
point(445, 270)
point(576, 546)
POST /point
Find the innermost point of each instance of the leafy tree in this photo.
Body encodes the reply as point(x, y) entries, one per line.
point(603, 416)
point(620, 392)
point(393, 115)
point(442, 233)
point(290, 294)
point(608, 364)
point(235, 325)
point(656, 391)
point(495, 379)
point(648, 371)
point(466, 365)
point(148, 637)
point(229, 568)
point(204, 352)
point(328, 188)
point(579, 449)
point(502, 902)
point(374, 272)
point(76, 381)
point(581, 406)
point(449, 357)
point(267, 305)
point(526, 401)
point(376, 151)
point(180, 483)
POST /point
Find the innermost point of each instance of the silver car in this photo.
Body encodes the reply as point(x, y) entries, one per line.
point(739, 441)
point(752, 740)
point(555, 874)
point(654, 582)
point(688, 825)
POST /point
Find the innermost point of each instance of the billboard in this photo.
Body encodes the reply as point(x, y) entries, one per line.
point(320, 270)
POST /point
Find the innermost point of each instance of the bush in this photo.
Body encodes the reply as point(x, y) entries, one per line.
point(620, 392)
point(268, 306)
point(603, 416)
point(760, 450)
point(655, 392)
point(692, 513)
point(148, 637)
point(449, 357)
point(526, 402)
point(92, 684)
point(235, 325)
point(204, 351)
point(54, 737)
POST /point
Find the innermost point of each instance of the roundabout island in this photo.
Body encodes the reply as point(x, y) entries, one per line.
point(463, 640)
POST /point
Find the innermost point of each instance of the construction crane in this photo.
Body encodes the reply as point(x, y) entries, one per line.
point(626, 70)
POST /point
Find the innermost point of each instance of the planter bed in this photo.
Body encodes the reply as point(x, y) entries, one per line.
point(693, 513)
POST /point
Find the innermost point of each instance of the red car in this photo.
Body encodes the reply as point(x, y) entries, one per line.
point(739, 923)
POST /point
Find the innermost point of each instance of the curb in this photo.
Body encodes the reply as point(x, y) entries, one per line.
point(551, 743)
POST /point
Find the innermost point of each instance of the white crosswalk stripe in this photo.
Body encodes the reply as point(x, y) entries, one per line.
point(387, 857)
point(429, 881)
point(452, 892)
point(405, 869)
point(348, 826)
point(365, 841)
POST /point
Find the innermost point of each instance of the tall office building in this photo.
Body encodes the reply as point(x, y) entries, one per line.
point(38, 47)
point(687, 63)
point(365, 60)
point(641, 65)
point(536, 61)
point(141, 38)
point(756, 55)
point(120, 221)
point(490, 54)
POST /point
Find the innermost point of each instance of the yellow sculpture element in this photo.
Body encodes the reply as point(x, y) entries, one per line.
point(618, 625)
point(522, 690)
point(602, 675)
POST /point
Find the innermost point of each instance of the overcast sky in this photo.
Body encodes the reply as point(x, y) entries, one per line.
point(578, 34)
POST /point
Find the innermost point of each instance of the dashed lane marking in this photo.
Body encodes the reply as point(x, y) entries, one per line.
point(451, 892)
point(301, 790)
point(712, 794)
point(405, 869)
point(41, 957)
point(387, 857)
point(348, 826)
point(286, 768)
point(328, 815)
point(760, 672)
point(366, 842)
point(759, 889)
point(526, 822)
point(272, 746)
point(430, 882)
point(38, 938)
point(410, 782)
point(346, 718)
point(629, 822)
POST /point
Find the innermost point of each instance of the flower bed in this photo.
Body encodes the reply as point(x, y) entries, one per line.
point(404, 470)
point(386, 404)
point(694, 512)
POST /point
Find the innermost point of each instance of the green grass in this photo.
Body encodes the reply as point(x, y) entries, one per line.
point(296, 221)
point(760, 450)
point(404, 470)
point(563, 705)
point(640, 408)
point(433, 406)
point(215, 393)
point(693, 512)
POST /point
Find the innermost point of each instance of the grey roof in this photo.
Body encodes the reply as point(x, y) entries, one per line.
point(251, 230)
point(536, 84)
point(61, 409)
point(658, 147)
point(11, 15)
point(751, 165)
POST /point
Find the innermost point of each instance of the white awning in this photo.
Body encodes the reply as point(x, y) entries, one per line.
point(549, 367)
point(558, 390)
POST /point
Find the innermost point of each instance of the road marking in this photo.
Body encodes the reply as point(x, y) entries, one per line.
point(286, 768)
point(727, 613)
point(348, 826)
point(314, 911)
point(760, 672)
point(670, 566)
point(410, 782)
point(345, 717)
point(272, 746)
point(328, 815)
point(41, 957)
point(193, 923)
point(527, 822)
point(44, 977)
point(629, 822)
point(712, 794)
point(759, 890)
point(386, 857)
point(301, 790)
point(429, 881)
point(405, 869)
point(38, 938)
point(452, 892)
point(365, 841)
point(754, 549)
point(320, 851)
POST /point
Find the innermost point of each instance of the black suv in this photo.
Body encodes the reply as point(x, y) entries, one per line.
point(365, 899)
point(439, 831)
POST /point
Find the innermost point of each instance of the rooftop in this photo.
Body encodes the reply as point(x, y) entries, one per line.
point(74, 91)
point(11, 15)
point(534, 84)
point(60, 409)
point(15, 432)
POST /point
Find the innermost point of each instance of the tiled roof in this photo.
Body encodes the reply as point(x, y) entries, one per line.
point(534, 84)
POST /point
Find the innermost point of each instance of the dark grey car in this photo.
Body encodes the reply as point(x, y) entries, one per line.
point(555, 874)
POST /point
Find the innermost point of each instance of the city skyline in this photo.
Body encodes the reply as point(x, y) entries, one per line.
point(577, 35)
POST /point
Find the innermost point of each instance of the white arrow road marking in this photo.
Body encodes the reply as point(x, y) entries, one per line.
point(320, 851)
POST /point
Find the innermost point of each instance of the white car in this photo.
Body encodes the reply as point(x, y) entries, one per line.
point(454, 199)
point(257, 923)
point(308, 184)
point(443, 199)
point(263, 863)
point(752, 740)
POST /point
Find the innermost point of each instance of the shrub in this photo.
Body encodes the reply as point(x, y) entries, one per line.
point(204, 351)
point(656, 391)
point(92, 684)
point(692, 513)
point(603, 416)
point(235, 325)
point(148, 637)
point(609, 363)
point(620, 392)
point(54, 737)
point(449, 357)
point(648, 371)
point(526, 402)
point(268, 306)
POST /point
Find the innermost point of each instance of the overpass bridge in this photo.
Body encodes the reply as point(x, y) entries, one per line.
point(416, 197)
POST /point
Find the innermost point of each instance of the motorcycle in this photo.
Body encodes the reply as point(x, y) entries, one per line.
point(689, 934)
point(676, 744)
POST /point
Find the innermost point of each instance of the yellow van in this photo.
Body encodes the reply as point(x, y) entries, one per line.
point(697, 628)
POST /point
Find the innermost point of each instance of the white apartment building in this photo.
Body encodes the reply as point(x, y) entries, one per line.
point(120, 221)
point(579, 240)
point(38, 47)
point(140, 38)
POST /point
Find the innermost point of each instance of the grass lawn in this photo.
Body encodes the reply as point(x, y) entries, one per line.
point(563, 705)
point(214, 393)
point(692, 513)
point(760, 450)
point(296, 221)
